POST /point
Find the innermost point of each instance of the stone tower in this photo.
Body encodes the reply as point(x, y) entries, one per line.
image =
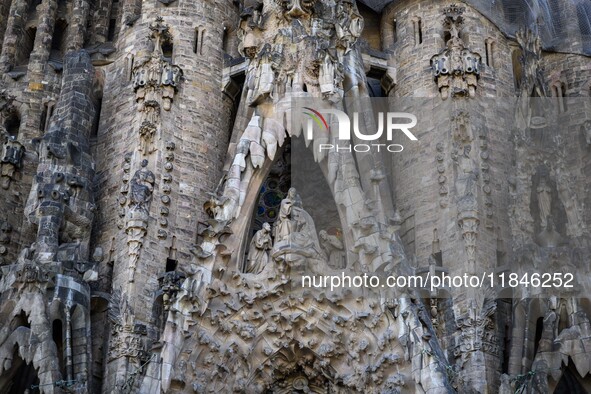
point(164, 192)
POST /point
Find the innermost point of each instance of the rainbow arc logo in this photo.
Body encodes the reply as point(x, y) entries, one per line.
point(317, 117)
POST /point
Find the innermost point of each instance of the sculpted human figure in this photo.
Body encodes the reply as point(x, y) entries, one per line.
point(334, 249)
point(586, 127)
point(141, 187)
point(285, 223)
point(544, 201)
point(467, 173)
point(258, 253)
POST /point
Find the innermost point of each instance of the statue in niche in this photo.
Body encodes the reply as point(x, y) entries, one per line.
point(549, 237)
point(544, 202)
point(467, 173)
point(141, 187)
point(296, 239)
point(285, 224)
point(348, 27)
point(586, 129)
point(326, 76)
point(258, 252)
point(334, 249)
point(263, 81)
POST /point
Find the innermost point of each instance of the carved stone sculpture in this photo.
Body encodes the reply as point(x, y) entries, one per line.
point(334, 249)
point(456, 69)
point(258, 253)
point(285, 223)
point(156, 78)
point(467, 177)
point(544, 202)
point(141, 187)
point(586, 129)
point(10, 160)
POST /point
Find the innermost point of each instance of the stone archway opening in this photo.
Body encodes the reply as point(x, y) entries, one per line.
point(20, 378)
point(313, 194)
point(571, 381)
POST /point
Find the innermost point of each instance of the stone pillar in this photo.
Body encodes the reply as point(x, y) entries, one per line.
point(4, 14)
point(42, 48)
point(50, 219)
point(132, 11)
point(99, 31)
point(14, 31)
point(79, 21)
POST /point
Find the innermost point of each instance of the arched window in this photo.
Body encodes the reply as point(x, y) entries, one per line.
point(57, 332)
point(57, 42)
point(198, 40)
point(559, 91)
point(516, 56)
point(12, 124)
point(418, 30)
point(27, 43)
point(490, 49)
point(167, 51)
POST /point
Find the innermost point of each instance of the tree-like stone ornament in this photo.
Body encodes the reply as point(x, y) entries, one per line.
point(155, 82)
point(456, 68)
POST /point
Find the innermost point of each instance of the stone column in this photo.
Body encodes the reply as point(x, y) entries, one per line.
point(14, 31)
point(99, 30)
point(50, 215)
point(4, 14)
point(132, 10)
point(79, 21)
point(42, 47)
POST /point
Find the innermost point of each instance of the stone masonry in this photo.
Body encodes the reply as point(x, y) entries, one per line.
point(156, 225)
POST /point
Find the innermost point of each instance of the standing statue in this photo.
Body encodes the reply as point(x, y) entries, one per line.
point(258, 253)
point(586, 129)
point(141, 187)
point(285, 224)
point(334, 249)
point(544, 202)
point(467, 173)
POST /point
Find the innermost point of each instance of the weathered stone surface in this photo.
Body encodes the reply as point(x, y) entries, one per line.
point(114, 279)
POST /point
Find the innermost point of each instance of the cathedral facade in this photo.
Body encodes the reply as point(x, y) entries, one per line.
point(178, 196)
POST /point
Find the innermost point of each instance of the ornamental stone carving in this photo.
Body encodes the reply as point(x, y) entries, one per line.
point(11, 157)
point(456, 68)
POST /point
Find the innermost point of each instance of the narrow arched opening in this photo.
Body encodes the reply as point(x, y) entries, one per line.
point(58, 41)
point(57, 334)
point(21, 377)
point(25, 48)
point(12, 124)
